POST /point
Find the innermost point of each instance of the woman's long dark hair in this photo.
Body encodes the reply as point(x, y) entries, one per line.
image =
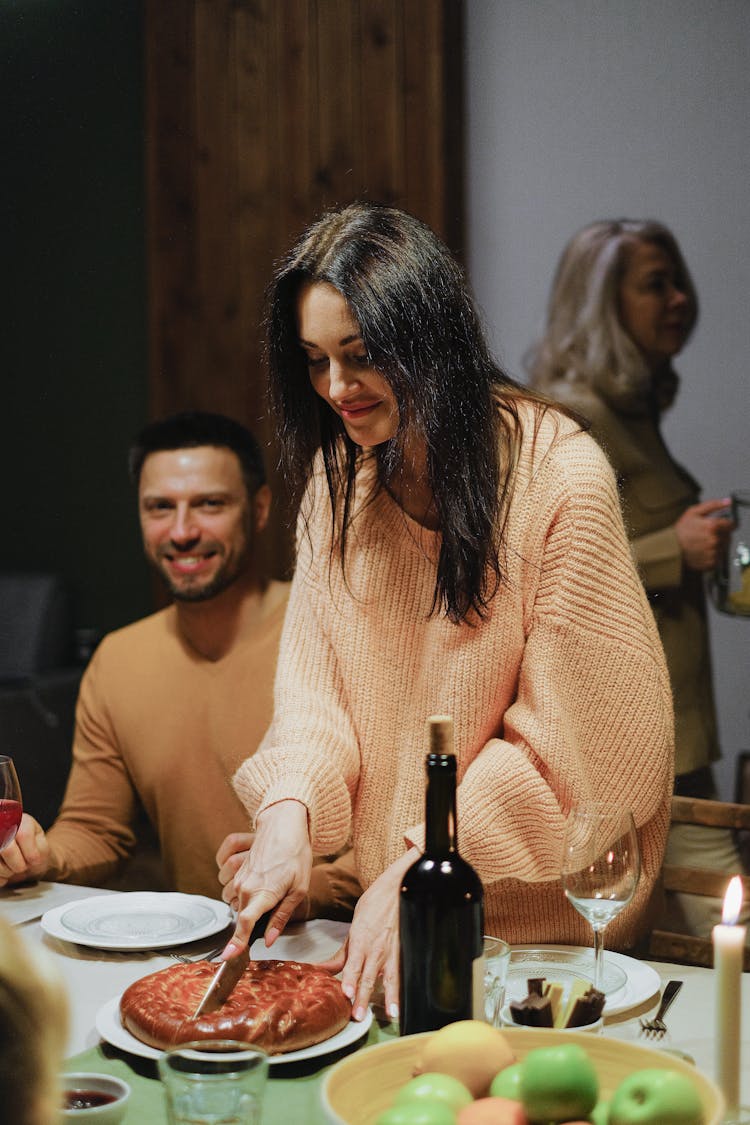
point(422, 333)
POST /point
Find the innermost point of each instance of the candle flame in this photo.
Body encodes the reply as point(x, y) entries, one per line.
point(732, 902)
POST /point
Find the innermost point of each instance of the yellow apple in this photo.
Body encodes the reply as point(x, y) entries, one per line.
point(469, 1050)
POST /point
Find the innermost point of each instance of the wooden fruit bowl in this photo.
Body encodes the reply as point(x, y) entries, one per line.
point(365, 1084)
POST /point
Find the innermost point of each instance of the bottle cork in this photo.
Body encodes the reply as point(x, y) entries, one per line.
point(440, 734)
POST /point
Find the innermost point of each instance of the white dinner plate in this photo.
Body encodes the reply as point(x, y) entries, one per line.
point(627, 982)
point(109, 1026)
point(137, 920)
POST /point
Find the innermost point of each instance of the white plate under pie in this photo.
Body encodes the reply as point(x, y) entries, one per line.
point(109, 1026)
point(137, 920)
point(627, 982)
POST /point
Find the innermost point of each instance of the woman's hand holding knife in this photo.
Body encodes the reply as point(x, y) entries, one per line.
point(273, 877)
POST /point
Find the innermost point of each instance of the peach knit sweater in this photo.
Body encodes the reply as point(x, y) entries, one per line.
point(559, 694)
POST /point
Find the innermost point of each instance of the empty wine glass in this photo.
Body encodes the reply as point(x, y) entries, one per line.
point(11, 808)
point(600, 868)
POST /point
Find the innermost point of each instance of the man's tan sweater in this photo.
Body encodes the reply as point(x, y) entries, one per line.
point(157, 720)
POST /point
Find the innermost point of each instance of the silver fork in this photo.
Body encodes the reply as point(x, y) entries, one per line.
point(190, 958)
point(656, 1027)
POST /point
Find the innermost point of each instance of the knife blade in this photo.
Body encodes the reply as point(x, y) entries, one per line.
point(229, 972)
point(222, 982)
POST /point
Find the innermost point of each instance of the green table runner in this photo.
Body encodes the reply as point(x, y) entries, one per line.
point(292, 1093)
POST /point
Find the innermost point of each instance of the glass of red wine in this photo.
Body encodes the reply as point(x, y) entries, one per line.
point(11, 808)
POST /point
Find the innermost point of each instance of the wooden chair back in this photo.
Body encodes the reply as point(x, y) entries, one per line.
point(742, 797)
point(685, 948)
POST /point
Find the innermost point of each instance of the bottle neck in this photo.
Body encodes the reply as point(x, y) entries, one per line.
point(440, 813)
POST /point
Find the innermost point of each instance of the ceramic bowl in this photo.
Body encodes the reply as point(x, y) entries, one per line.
point(506, 1019)
point(111, 1113)
point(363, 1085)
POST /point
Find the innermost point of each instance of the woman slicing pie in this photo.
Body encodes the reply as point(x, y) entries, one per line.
point(460, 549)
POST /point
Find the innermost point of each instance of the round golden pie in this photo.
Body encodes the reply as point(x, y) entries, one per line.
point(277, 1005)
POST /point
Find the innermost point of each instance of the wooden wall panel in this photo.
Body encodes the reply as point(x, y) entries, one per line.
point(215, 170)
point(172, 213)
point(383, 107)
point(424, 156)
point(261, 113)
point(337, 131)
point(294, 140)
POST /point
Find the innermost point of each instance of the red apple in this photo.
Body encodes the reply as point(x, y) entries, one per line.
point(493, 1111)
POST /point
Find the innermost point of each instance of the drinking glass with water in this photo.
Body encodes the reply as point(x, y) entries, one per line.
point(214, 1082)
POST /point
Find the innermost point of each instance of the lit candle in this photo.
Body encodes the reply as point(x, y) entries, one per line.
point(729, 946)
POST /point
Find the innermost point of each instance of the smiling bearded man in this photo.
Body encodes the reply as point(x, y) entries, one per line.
point(172, 704)
point(199, 521)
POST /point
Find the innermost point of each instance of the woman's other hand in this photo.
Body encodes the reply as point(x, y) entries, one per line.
point(371, 950)
point(702, 534)
point(270, 871)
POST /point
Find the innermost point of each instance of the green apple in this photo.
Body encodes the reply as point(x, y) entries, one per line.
point(599, 1116)
point(418, 1112)
point(558, 1083)
point(656, 1097)
point(507, 1083)
point(435, 1088)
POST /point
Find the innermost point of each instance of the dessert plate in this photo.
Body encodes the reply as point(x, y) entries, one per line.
point(627, 982)
point(109, 1026)
point(137, 920)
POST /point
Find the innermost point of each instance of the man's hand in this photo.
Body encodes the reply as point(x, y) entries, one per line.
point(372, 949)
point(702, 534)
point(268, 872)
point(28, 856)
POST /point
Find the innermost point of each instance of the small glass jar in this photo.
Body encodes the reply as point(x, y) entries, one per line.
point(730, 582)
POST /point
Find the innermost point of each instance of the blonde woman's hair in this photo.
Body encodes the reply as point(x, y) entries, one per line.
point(33, 1028)
point(584, 340)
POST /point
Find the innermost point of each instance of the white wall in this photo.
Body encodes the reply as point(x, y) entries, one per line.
point(587, 109)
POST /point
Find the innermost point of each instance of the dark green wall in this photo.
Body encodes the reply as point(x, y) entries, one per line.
point(73, 352)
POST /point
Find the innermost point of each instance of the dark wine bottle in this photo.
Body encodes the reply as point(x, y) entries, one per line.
point(441, 918)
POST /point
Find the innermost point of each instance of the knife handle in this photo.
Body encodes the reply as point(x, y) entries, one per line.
point(259, 928)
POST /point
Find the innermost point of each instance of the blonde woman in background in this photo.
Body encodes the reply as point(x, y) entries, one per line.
point(622, 306)
point(33, 1027)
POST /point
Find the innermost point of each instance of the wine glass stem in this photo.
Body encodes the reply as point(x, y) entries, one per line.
point(598, 957)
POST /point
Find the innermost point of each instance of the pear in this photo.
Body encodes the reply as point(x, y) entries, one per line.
point(469, 1050)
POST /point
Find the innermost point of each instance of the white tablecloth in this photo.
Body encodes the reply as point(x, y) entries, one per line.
point(94, 976)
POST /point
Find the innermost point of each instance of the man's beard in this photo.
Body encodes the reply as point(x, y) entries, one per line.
point(225, 576)
point(220, 582)
point(236, 560)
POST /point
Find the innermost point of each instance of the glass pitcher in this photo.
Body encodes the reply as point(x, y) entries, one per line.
point(730, 582)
